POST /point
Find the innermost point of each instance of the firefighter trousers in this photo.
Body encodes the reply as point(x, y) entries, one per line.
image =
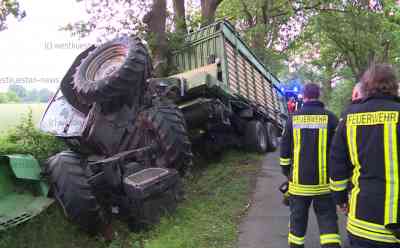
point(325, 210)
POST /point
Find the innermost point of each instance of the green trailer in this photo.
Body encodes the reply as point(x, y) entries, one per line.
point(23, 193)
point(220, 76)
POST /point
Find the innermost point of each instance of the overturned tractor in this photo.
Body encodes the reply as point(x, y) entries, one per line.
point(127, 142)
point(130, 135)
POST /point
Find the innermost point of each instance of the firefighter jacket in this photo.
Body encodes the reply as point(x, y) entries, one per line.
point(364, 153)
point(304, 149)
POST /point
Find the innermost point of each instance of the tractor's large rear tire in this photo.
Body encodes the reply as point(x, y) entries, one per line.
point(255, 137)
point(66, 85)
point(117, 68)
point(164, 125)
point(66, 171)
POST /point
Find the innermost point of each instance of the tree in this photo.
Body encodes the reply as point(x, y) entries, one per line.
point(355, 35)
point(360, 38)
point(8, 97)
point(3, 97)
point(270, 26)
point(12, 97)
point(341, 96)
point(180, 16)
point(44, 95)
point(19, 90)
point(149, 19)
point(208, 9)
point(10, 8)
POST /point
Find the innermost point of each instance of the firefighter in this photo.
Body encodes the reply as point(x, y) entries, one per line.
point(365, 154)
point(304, 152)
point(291, 105)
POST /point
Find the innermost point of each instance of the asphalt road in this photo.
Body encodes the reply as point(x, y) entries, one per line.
point(266, 224)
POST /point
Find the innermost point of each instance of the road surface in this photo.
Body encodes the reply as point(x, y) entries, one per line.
point(266, 223)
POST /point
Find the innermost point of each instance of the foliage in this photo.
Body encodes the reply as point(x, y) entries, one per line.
point(25, 138)
point(341, 97)
point(357, 36)
point(24, 95)
point(324, 41)
point(18, 89)
point(11, 114)
point(343, 38)
point(9, 97)
point(151, 20)
point(199, 221)
point(10, 8)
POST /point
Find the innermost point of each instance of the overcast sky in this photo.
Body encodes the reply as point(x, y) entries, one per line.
point(34, 49)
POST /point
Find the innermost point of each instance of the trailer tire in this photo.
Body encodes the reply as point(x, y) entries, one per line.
point(272, 137)
point(256, 136)
point(68, 180)
point(117, 68)
point(164, 124)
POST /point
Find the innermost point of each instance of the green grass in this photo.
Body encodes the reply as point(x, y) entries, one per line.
point(11, 113)
point(216, 198)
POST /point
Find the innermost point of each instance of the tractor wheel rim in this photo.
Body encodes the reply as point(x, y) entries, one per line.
point(108, 62)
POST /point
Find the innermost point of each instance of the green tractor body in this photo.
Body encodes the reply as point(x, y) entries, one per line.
point(23, 194)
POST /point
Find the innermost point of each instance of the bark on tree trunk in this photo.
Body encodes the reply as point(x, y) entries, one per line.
point(208, 9)
point(179, 16)
point(156, 24)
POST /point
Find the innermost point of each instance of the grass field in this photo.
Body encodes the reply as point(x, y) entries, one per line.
point(11, 113)
point(217, 196)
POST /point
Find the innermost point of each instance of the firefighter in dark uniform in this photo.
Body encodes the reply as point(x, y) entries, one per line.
point(304, 155)
point(364, 155)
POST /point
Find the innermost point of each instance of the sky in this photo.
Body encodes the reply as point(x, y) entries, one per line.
point(33, 50)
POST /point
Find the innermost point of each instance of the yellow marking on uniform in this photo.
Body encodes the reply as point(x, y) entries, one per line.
point(295, 240)
point(391, 173)
point(372, 118)
point(296, 153)
point(361, 232)
point(338, 185)
point(396, 174)
point(320, 156)
point(368, 226)
point(308, 190)
point(324, 154)
point(310, 119)
point(352, 144)
point(330, 238)
point(285, 161)
point(322, 143)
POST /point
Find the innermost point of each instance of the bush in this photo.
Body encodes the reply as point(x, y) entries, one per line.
point(25, 138)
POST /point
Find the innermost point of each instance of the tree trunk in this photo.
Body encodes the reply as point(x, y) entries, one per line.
point(208, 9)
point(180, 16)
point(155, 20)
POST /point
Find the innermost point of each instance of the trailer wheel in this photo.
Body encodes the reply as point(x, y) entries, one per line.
point(272, 137)
point(117, 68)
point(68, 180)
point(164, 125)
point(256, 136)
